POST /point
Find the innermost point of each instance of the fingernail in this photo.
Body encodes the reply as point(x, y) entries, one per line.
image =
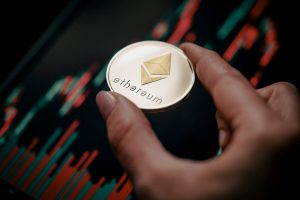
point(106, 103)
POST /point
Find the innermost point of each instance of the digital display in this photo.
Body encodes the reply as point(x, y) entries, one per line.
point(53, 141)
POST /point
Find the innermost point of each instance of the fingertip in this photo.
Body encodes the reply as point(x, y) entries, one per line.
point(195, 52)
point(98, 97)
point(185, 45)
point(188, 45)
point(106, 103)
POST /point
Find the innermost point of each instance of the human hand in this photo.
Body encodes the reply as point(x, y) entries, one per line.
point(255, 127)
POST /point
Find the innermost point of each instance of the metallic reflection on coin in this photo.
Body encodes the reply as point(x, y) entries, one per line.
point(154, 75)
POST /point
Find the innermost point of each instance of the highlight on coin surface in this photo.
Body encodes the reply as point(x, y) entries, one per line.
point(152, 74)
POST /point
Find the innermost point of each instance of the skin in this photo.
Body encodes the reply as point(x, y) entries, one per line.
point(257, 129)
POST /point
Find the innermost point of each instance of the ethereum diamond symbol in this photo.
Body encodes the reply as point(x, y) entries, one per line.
point(156, 69)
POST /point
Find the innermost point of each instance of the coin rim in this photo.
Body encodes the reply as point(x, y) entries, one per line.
point(169, 105)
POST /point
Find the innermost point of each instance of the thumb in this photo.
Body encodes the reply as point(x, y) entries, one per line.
point(130, 133)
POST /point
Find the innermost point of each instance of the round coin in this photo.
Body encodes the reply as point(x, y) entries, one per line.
point(152, 74)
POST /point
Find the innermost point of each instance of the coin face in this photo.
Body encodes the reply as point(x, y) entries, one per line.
point(154, 75)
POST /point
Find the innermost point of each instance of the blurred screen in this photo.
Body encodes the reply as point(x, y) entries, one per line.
point(53, 141)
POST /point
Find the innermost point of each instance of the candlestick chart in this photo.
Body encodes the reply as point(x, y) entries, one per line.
point(53, 141)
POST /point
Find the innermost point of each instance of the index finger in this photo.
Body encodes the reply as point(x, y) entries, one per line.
point(233, 95)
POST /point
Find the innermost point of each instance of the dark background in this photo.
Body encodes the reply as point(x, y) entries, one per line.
point(286, 65)
point(23, 22)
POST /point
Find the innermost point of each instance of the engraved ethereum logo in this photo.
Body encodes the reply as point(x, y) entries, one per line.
point(156, 68)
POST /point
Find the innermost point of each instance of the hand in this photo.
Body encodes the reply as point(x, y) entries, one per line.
point(255, 127)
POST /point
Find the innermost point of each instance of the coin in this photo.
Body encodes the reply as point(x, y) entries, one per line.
point(152, 74)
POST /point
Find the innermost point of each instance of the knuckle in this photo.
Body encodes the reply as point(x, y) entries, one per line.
point(229, 78)
point(207, 55)
point(118, 128)
point(211, 54)
point(286, 87)
point(146, 184)
point(277, 134)
point(144, 188)
point(263, 128)
point(156, 183)
point(264, 132)
point(235, 73)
